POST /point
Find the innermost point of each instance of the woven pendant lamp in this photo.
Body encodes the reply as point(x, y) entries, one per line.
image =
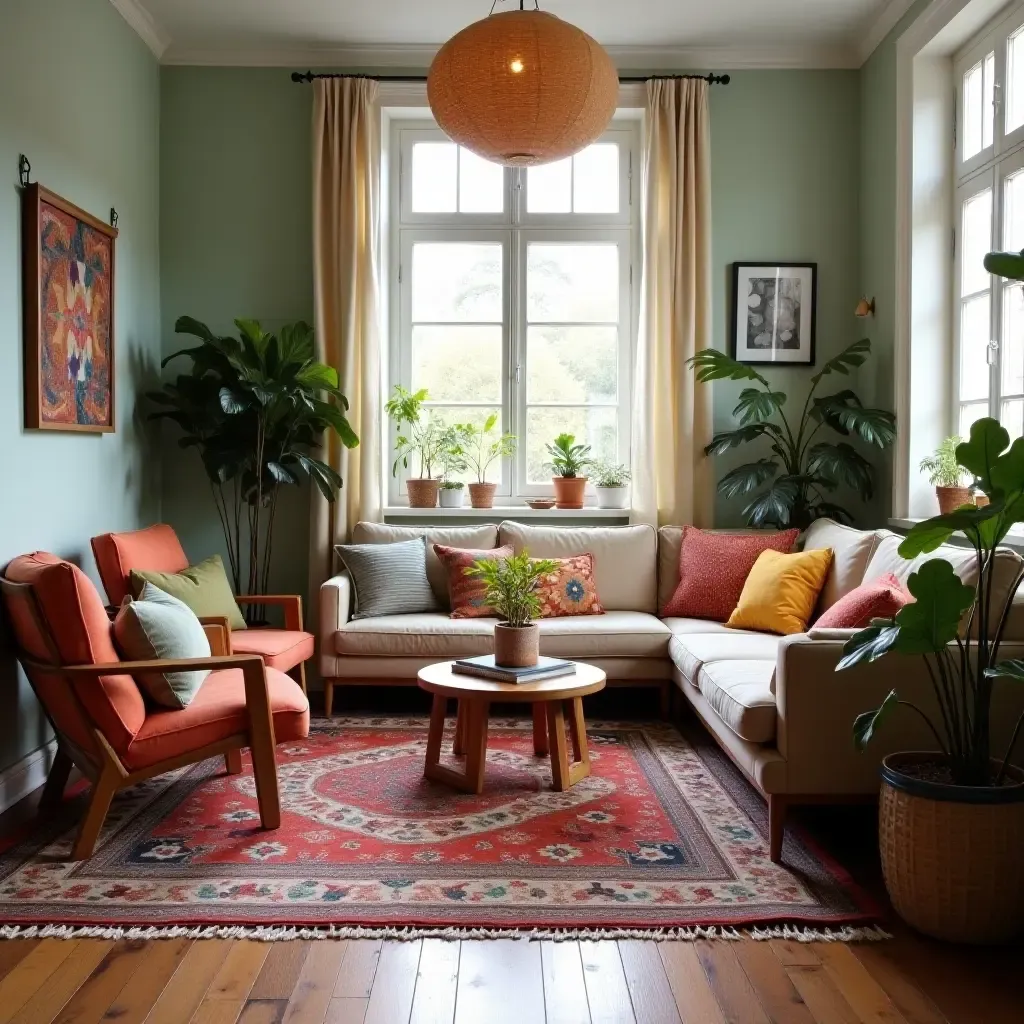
point(522, 87)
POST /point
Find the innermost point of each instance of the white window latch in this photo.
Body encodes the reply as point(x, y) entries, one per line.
point(992, 353)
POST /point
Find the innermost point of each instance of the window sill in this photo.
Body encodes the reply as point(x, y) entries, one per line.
point(499, 512)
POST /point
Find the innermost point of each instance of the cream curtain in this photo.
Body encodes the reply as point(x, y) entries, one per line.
point(671, 414)
point(346, 224)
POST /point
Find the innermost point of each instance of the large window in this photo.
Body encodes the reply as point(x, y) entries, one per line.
point(512, 293)
point(989, 214)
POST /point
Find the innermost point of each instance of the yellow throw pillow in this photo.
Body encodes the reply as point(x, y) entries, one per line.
point(781, 591)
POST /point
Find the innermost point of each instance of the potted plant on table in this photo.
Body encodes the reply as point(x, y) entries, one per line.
point(511, 585)
point(947, 476)
point(482, 447)
point(611, 481)
point(424, 440)
point(951, 820)
point(568, 460)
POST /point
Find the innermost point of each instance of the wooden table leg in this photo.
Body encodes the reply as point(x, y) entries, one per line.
point(581, 751)
point(437, 712)
point(474, 713)
point(540, 729)
point(459, 743)
point(566, 773)
point(476, 743)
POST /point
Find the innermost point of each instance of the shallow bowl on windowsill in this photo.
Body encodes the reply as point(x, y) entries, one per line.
point(541, 504)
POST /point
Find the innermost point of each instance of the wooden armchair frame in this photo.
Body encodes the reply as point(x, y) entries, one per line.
point(105, 770)
point(291, 606)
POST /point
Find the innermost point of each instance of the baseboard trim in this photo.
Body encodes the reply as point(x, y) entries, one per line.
point(25, 775)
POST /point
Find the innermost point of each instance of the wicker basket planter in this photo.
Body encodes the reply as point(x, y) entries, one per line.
point(951, 855)
point(951, 498)
point(422, 493)
point(516, 646)
point(481, 495)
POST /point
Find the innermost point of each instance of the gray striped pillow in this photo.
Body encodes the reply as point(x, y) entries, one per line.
point(388, 579)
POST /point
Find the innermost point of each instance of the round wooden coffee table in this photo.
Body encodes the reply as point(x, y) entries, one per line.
point(553, 701)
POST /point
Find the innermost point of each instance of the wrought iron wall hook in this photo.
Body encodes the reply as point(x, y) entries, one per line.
point(113, 217)
point(24, 170)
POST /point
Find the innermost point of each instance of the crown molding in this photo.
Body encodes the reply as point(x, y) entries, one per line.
point(145, 25)
point(879, 25)
point(626, 58)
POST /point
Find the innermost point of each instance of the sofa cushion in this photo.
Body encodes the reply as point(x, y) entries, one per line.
point(690, 651)
point(467, 595)
point(485, 536)
point(570, 589)
point(388, 579)
point(204, 587)
point(781, 591)
point(851, 551)
point(625, 558)
point(878, 599)
point(432, 635)
point(741, 694)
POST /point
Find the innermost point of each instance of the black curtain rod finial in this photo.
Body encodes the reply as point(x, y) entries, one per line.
point(310, 76)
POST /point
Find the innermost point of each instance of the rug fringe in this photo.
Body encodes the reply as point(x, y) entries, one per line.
point(284, 933)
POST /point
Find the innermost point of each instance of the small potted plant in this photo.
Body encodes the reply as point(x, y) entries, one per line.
point(453, 460)
point(511, 585)
point(425, 440)
point(568, 460)
point(481, 448)
point(611, 482)
point(947, 476)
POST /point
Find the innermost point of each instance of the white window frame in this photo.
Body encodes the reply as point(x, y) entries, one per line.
point(987, 169)
point(514, 228)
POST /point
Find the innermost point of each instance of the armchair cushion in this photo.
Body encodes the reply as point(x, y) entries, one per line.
point(204, 588)
point(155, 548)
point(282, 649)
point(217, 712)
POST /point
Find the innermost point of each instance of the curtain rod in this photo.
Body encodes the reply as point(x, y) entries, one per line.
point(309, 76)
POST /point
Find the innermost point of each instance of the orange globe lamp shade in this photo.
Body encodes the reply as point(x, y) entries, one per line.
point(522, 87)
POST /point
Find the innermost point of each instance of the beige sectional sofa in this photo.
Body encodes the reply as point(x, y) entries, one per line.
point(774, 704)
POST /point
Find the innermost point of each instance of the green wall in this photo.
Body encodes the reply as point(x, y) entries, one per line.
point(79, 95)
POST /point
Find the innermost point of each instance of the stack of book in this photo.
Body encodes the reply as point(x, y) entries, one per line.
point(485, 668)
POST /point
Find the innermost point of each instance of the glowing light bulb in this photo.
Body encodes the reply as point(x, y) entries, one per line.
point(516, 66)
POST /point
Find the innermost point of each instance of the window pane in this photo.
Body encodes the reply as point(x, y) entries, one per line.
point(977, 240)
point(988, 110)
point(972, 111)
point(481, 184)
point(458, 364)
point(974, 339)
point(574, 283)
point(572, 364)
point(1014, 81)
point(1012, 348)
point(595, 180)
point(1011, 416)
point(549, 187)
point(456, 281)
point(1013, 211)
point(434, 177)
point(450, 415)
point(597, 426)
point(969, 414)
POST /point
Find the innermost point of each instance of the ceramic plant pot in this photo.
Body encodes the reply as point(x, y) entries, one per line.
point(516, 646)
point(451, 497)
point(951, 498)
point(482, 495)
point(422, 493)
point(612, 497)
point(569, 491)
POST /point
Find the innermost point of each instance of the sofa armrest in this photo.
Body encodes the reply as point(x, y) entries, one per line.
point(335, 604)
point(817, 706)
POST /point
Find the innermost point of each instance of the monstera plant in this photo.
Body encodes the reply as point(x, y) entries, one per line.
point(256, 408)
point(791, 487)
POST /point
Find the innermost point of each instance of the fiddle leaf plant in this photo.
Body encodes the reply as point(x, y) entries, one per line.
point(958, 629)
point(511, 585)
point(568, 459)
point(791, 487)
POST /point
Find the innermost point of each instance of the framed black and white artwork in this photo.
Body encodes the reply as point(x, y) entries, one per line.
point(774, 312)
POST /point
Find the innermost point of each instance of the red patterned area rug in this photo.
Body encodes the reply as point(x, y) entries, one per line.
point(664, 835)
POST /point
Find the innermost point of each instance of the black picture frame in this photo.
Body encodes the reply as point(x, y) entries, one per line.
point(742, 346)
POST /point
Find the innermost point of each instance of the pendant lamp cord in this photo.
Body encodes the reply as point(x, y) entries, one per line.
point(522, 6)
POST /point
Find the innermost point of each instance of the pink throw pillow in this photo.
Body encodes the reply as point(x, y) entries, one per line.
point(570, 590)
point(467, 593)
point(713, 568)
point(879, 599)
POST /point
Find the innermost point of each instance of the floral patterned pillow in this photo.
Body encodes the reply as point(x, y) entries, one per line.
point(570, 590)
point(467, 593)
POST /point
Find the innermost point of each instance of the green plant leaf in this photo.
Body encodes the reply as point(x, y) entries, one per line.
point(775, 506)
point(727, 439)
point(281, 474)
point(842, 462)
point(930, 534)
point(868, 644)
point(756, 405)
point(1012, 668)
point(851, 357)
point(231, 403)
point(866, 725)
point(710, 364)
point(318, 375)
point(931, 622)
point(1005, 264)
point(876, 426)
point(747, 478)
point(978, 454)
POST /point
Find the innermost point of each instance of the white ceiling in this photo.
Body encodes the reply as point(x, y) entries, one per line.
point(639, 33)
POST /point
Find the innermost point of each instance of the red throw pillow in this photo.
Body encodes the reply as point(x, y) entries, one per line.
point(467, 592)
point(713, 568)
point(879, 599)
point(570, 590)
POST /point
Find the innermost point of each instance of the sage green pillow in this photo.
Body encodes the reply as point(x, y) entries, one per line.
point(203, 587)
point(157, 625)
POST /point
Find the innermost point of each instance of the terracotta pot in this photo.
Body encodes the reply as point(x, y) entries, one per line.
point(482, 495)
point(516, 646)
point(951, 498)
point(980, 500)
point(569, 491)
point(951, 854)
point(422, 493)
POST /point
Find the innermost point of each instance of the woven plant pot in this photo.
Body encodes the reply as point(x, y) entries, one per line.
point(569, 491)
point(951, 498)
point(422, 493)
point(951, 855)
point(482, 495)
point(516, 646)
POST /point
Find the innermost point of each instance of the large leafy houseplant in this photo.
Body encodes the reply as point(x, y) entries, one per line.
point(790, 487)
point(256, 408)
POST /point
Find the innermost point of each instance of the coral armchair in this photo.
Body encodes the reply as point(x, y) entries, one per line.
point(157, 549)
point(103, 725)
